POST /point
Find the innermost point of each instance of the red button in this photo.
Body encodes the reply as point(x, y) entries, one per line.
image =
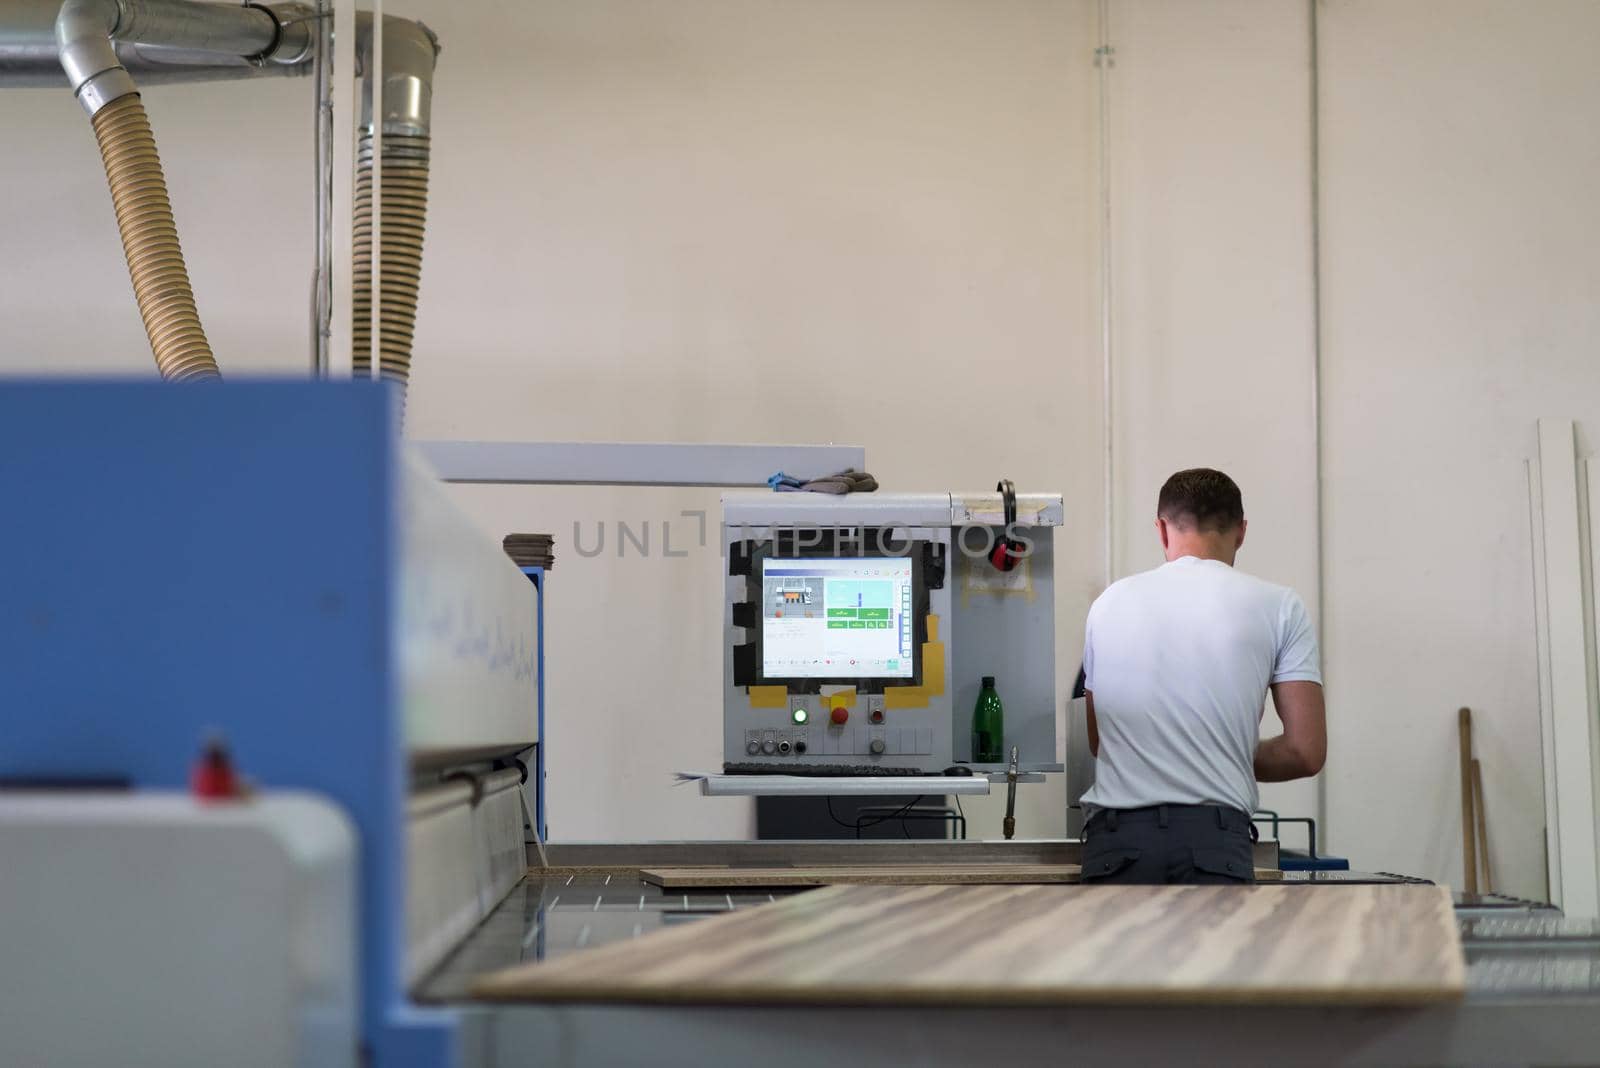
point(840, 714)
point(213, 777)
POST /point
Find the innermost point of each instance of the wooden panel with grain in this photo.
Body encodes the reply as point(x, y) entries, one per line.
point(726, 878)
point(1032, 945)
point(885, 875)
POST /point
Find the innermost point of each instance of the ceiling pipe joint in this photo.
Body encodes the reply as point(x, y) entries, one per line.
point(84, 30)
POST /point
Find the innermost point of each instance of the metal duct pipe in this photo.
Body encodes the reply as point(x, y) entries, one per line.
point(163, 42)
point(83, 45)
point(405, 110)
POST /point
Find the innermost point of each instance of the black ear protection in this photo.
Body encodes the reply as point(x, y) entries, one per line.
point(1006, 551)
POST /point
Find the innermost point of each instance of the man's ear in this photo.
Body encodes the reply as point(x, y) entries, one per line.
point(1161, 531)
point(1240, 543)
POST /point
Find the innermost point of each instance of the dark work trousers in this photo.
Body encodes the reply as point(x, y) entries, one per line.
point(1169, 844)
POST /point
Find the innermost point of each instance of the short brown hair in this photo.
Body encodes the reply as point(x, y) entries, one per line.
point(1203, 498)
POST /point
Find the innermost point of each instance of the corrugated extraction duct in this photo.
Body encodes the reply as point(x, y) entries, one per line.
point(150, 241)
point(409, 52)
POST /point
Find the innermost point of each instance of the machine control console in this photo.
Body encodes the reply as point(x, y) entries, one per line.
point(834, 609)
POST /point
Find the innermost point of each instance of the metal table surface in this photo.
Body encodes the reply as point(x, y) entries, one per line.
point(1533, 998)
point(543, 918)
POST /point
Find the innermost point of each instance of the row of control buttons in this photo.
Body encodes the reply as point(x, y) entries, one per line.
point(785, 747)
point(780, 746)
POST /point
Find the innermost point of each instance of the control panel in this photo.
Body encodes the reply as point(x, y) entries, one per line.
point(850, 624)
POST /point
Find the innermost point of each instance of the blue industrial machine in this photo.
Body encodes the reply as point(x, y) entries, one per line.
point(263, 563)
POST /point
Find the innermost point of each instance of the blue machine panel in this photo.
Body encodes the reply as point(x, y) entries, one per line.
point(188, 559)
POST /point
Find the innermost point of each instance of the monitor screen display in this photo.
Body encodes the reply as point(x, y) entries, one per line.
point(827, 617)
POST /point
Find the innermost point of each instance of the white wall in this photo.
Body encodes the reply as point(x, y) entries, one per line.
point(1461, 154)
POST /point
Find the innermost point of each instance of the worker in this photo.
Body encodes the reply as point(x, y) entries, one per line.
point(1178, 662)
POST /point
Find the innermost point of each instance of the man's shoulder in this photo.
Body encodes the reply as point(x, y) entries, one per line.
point(1131, 585)
point(1256, 582)
point(1274, 592)
point(1280, 605)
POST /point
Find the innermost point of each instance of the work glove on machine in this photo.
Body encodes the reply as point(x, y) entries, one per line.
point(847, 481)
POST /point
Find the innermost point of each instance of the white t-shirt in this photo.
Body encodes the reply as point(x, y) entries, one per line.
point(1179, 660)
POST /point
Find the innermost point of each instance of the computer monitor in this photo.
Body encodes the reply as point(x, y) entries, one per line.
point(837, 618)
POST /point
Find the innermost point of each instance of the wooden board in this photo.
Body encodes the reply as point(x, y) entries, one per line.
point(723, 878)
point(1032, 945)
point(882, 875)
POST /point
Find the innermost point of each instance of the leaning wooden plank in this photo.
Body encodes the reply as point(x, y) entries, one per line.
point(1483, 826)
point(1032, 945)
point(1469, 848)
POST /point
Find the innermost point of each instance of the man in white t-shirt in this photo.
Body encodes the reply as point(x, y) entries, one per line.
point(1177, 665)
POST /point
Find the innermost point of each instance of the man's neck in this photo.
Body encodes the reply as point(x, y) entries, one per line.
point(1203, 547)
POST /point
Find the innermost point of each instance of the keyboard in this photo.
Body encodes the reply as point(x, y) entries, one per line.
point(826, 770)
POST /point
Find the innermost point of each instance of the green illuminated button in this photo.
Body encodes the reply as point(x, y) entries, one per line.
point(800, 715)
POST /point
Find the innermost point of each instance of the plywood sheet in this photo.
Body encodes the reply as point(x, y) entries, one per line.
point(870, 875)
point(1032, 945)
point(882, 875)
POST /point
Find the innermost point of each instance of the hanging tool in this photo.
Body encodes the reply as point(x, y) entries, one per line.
point(1010, 823)
point(1006, 551)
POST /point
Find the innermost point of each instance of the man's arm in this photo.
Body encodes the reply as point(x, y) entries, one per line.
point(1094, 727)
point(1302, 748)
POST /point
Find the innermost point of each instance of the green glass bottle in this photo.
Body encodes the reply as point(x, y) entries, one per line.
point(988, 726)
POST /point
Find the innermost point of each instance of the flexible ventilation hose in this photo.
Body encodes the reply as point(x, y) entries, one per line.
point(405, 211)
point(150, 241)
